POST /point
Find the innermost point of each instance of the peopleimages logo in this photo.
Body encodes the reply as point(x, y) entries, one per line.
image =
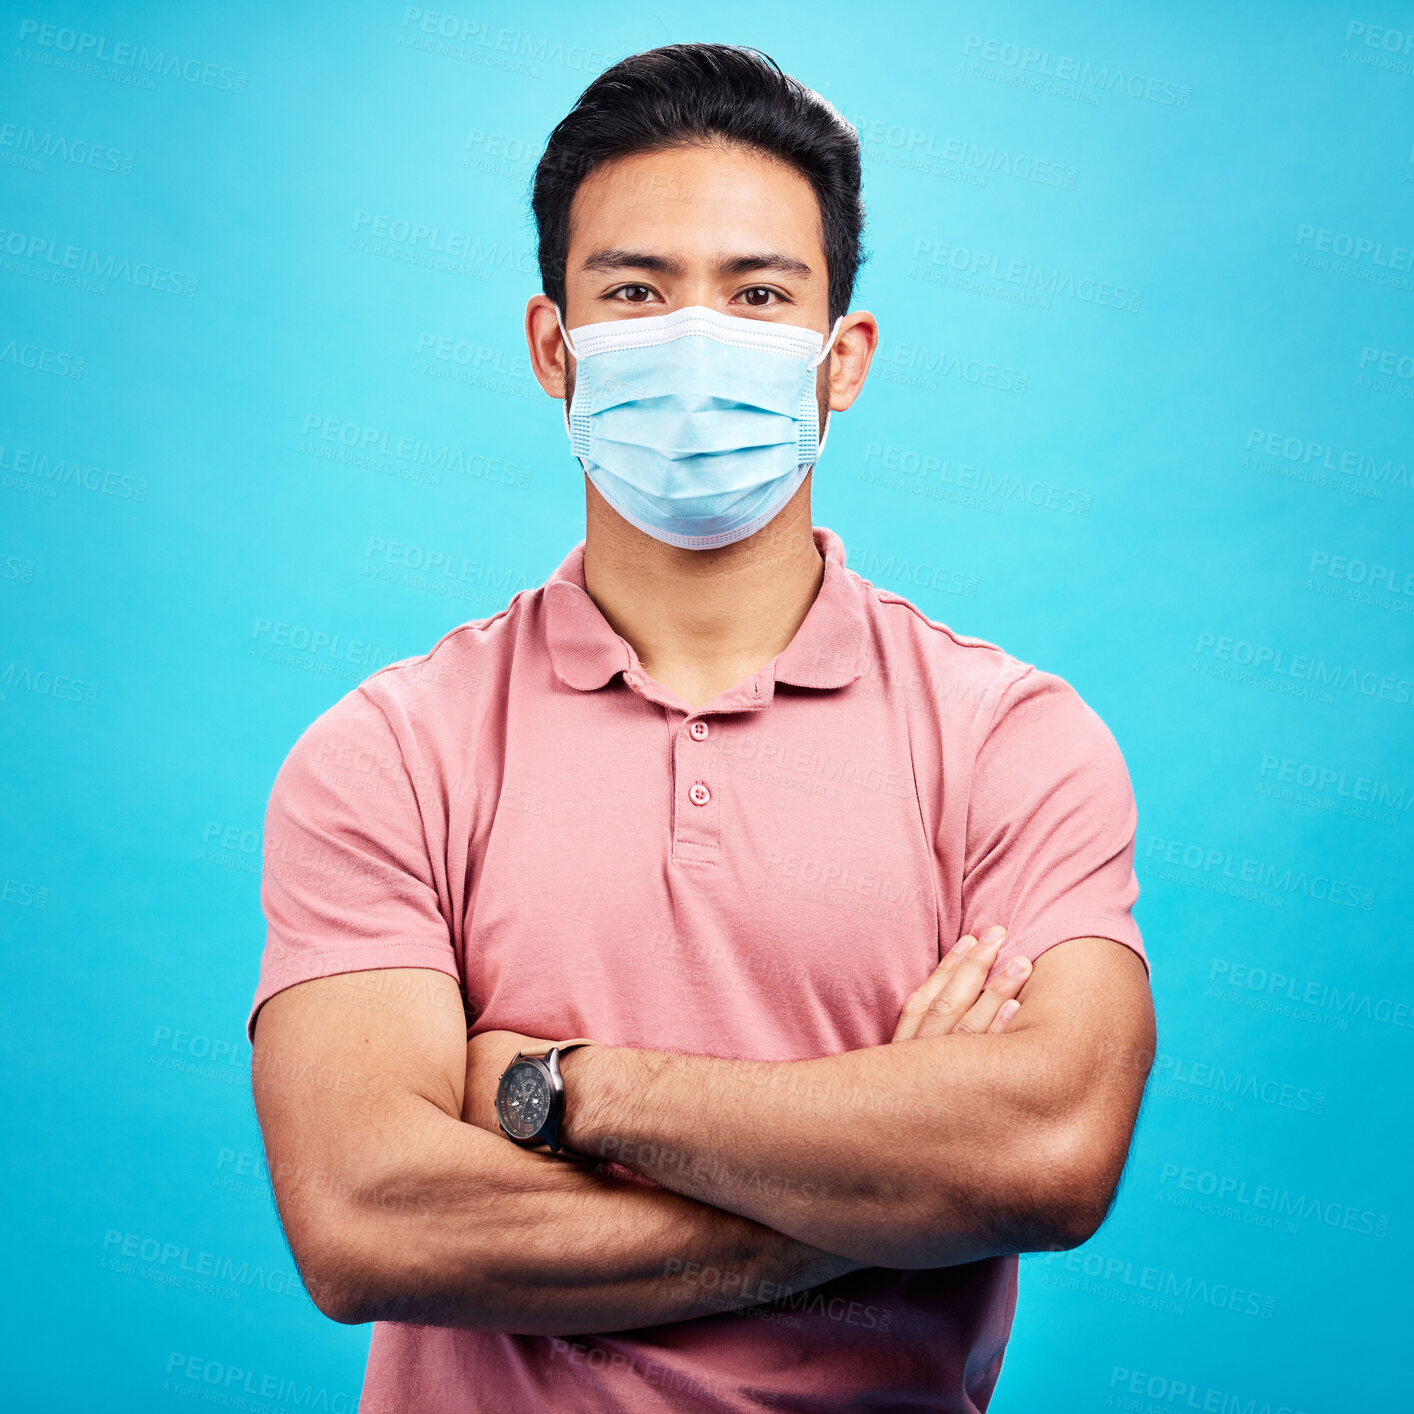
point(899, 145)
point(456, 244)
point(964, 262)
point(25, 147)
point(1387, 361)
point(53, 259)
point(1276, 990)
point(61, 471)
point(1261, 657)
point(1122, 1279)
point(1271, 1198)
point(1261, 874)
point(1171, 1072)
point(1379, 47)
point(1319, 456)
point(919, 366)
point(83, 50)
point(1354, 247)
point(1184, 1394)
point(412, 458)
point(176, 1258)
point(216, 1382)
point(1329, 780)
point(1101, 78)
point(459, 37)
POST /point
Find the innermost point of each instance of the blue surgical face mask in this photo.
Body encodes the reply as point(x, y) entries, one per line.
point(695, 426)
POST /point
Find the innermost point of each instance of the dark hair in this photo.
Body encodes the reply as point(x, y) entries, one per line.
point(689, 93)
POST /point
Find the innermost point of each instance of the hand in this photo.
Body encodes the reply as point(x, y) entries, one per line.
point(488, 1053)
point(954, 999)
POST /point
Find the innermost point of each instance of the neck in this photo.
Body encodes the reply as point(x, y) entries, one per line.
point(701, 621)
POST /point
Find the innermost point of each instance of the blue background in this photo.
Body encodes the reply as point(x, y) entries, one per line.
point(1188, 487)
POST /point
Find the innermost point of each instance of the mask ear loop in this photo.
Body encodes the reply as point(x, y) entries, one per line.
point(564, 334)
point(829, 344)
point(815, 363)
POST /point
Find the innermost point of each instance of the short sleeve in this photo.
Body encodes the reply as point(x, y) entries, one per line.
point(347, 883)
point(1050, 827)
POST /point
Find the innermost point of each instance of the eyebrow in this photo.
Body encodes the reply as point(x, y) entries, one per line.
point(616, 258)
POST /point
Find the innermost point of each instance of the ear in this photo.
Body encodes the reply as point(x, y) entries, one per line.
point(850, 358)
point(549, 358)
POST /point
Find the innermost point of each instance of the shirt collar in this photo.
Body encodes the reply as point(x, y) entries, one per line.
point(826, 652)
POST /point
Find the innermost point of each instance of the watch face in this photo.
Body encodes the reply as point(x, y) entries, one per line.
point(523, 1100)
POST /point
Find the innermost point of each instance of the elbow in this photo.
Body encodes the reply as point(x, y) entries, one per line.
point(350, 1300)
point(1049, 1192)
point(362, 1273)
point(343, 1309)
point(344, 1279)
point(1070, 1191)
point(1067, 1224)
point(348, 1296)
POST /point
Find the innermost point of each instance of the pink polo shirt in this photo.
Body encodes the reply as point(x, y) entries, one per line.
point(767, 877)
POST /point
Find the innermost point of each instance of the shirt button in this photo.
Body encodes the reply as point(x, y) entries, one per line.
point(698, 731)
point(698, 794)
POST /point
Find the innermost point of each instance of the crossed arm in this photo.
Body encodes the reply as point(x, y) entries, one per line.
point(402, 1201)
point(942, 1150)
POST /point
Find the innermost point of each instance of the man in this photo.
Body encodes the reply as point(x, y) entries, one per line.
point(714, 803)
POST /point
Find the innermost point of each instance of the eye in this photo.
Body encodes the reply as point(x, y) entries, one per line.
point(753, 296)
point(634, 294)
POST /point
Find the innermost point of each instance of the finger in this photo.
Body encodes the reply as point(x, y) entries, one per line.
point(923, 996)
point(1002, 988)
point(958, 993)
point(915, 1008)
point(1005, 1012)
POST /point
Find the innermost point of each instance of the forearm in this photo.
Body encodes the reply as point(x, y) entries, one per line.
point(468, 1230)
point(942, 1150)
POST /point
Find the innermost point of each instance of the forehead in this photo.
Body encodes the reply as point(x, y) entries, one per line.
point(697, 201)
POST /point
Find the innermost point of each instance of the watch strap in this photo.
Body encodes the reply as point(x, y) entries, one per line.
point(540, 1052)
point(562, 1047)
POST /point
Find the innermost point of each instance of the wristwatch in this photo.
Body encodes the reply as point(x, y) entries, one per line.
point(530, 1099)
